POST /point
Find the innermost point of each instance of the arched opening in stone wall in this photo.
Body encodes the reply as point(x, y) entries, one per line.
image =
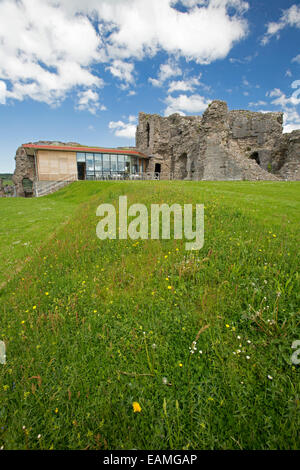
point(148, 134)
point(27, 185)
point(255, 156)
point(183, 165)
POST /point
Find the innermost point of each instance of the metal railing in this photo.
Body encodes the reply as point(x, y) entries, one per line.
point(52, 186)
point(124, 177)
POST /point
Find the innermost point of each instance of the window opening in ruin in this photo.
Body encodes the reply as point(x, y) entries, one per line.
point(27, 187)
point(148, 134)
point(255, 156)
point(183, 165)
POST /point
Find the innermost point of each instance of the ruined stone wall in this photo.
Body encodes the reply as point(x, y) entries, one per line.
point(285, 157)
point(220, 145)
point(170, 141)
point(256, 133)
point(25, 169)
point(2, 193)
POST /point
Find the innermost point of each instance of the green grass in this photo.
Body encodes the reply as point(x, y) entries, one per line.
point(92, 326)
point(7, 178)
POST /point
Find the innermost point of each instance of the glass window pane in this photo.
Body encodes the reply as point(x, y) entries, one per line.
point(90, 162)
point(114, 162)
point(134, 166)
point(106, 162)
point(121, 163)
point(98, 162)
point(81, 157)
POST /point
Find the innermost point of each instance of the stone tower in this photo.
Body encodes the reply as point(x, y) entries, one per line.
point(220, 145)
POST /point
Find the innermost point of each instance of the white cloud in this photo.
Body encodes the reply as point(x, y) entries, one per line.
point(50, 47)
point(184, 85)
point(244, 60)
point(123, 71)
point(282, 100)
point(296, 59)
point(2, 92)
point(89, 100)
point(123, 129)
point(289, 17)
point(42, 54)
point(184, 103)
point(166, 71)
point(291, 120)
point(288, 104)
point(204, 33)
point(258, 103)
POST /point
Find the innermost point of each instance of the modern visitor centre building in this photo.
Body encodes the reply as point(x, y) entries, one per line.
point(46, 167)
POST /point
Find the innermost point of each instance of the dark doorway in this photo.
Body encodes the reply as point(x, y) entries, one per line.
point(255, 156)
point(81, 170)
point(27, 187)
point(148, 134)
point(157, 168)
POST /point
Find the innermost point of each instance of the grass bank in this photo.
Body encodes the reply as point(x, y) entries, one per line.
point(200, 340)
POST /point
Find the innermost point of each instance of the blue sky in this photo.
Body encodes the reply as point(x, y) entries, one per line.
point(81, 71)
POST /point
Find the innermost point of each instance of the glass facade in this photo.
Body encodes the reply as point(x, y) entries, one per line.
point(106, 166)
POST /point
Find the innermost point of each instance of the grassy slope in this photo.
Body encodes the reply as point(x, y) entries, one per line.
point(7, 178)
point(74, 321)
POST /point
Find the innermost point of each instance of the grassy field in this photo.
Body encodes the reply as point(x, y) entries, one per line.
point(7, 178)
point(92, 327)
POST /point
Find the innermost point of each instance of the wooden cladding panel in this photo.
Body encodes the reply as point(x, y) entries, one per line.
point(55, 165)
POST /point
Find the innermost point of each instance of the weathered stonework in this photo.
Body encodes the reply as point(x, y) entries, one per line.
point(220, 145)
point(25, 169)
point(2, 193)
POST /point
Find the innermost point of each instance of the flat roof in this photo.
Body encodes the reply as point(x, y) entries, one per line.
point(84, 149)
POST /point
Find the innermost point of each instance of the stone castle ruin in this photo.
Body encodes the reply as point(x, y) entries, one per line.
point(220, 145)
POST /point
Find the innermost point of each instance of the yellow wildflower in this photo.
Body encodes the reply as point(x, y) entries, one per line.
point(136, 407)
